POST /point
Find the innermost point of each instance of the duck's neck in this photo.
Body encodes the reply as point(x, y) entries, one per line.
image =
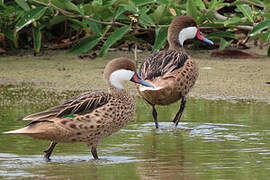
point(120, 93)
point(176, 46)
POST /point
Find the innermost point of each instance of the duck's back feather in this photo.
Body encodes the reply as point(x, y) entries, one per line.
point(161, 63)
point(81, 104)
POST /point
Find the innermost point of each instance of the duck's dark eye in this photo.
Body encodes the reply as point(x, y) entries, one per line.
point(126, 68)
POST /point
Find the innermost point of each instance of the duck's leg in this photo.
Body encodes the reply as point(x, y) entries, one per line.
point(49, 151)
point(94, 153)
point(180, 111)
point(154, 113)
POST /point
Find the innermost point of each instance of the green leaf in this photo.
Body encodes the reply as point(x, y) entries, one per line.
point(142, 2)
point(77, 22)
point(2, 3)
point(65, 5)
point(119, 11)
point(224, 43)
point(221, 34)
point(158, 13)
point(99, 2)
point(191, 9)
point(161, 37)
point(84, 45)
point(130, 8)
point(145, 17)
point(81, 9)
point(247, 11)
point(261, 26)
point(113, 38)
point(37, 39)
point(200, 4)
point(95, 27)
point(56, 20)
point(212, 5)
point(216, 5)
point(233, 20)
point(266, 15)
point(58, 3)
point(29, 17)
point(9, 34)
point(267, 34)
point(71, 6)
point(258, 2)
point(23, 4)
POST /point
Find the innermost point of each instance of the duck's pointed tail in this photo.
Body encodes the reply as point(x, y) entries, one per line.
point(24, 130)
point(45, 130)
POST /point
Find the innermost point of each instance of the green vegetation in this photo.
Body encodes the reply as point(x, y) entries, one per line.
point(100, 24)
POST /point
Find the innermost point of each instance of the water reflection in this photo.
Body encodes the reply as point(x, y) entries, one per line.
point(215, 140)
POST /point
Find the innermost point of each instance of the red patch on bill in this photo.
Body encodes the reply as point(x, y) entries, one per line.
point(135, 78)
point(199, 36)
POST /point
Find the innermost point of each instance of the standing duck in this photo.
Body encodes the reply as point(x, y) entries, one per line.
point(172, 71)
point(88, 117)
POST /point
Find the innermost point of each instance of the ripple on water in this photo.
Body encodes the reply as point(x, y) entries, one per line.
point(12, 166)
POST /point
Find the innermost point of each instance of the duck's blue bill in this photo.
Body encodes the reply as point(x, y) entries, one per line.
point(207, 41)
point(137, 79)
point(204, 39)
point(147, 84)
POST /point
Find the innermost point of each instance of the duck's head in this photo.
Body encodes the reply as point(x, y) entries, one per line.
point(122, 69)
point(183, 28)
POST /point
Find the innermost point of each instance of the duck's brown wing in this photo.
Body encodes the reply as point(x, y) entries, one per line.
point(161, 63)
point(81, 104)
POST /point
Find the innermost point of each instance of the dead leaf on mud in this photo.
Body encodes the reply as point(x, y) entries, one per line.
point(237, 54)
point(2, 51)
point(88, 56)
point(60, 45)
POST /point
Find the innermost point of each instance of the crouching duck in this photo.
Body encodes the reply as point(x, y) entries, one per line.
point(171, 71)
point(88, 117)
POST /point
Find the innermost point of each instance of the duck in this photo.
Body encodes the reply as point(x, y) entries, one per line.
point(173, 72)
point(91, 116)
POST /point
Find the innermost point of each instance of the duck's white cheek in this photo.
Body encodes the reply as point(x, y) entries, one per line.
point(117, 77)
point(187, 33)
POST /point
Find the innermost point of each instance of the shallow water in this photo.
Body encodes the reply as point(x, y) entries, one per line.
point(214, 140)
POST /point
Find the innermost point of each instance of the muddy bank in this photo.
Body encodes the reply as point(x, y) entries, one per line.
point(219, 78)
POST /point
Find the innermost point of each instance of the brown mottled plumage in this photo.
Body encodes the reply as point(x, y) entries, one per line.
point(88, 117)
point(172, 70)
